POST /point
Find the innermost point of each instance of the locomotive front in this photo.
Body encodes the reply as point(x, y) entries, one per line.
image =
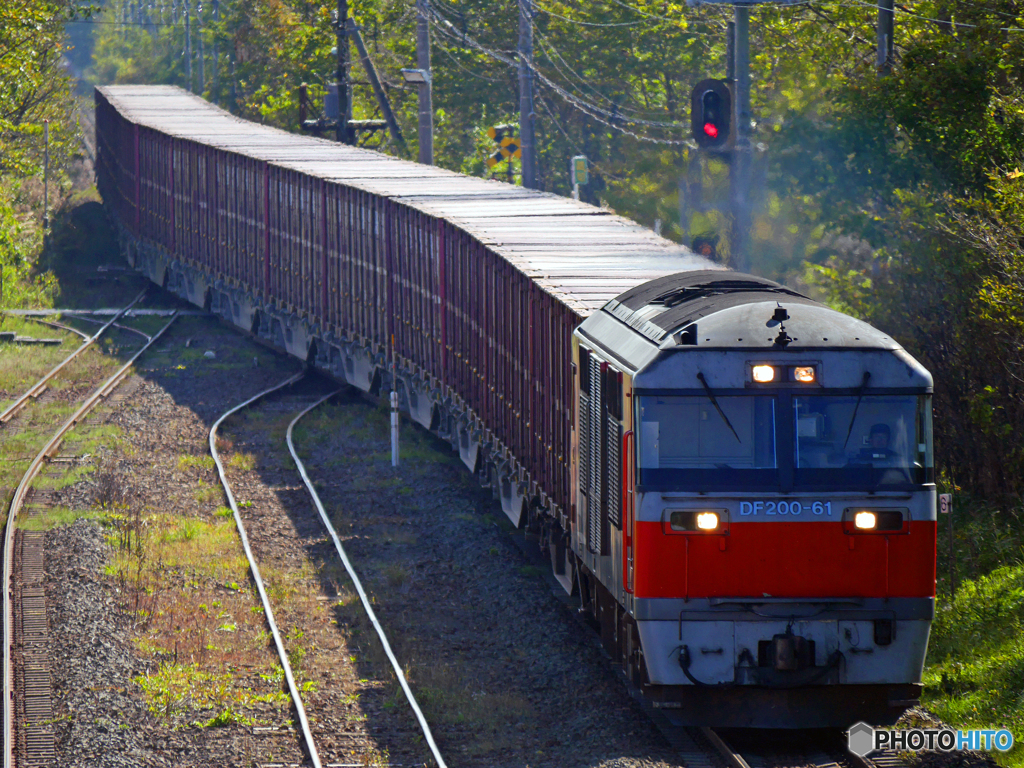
point(775, 560)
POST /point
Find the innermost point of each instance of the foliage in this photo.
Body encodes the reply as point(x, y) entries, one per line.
point(976, 655)
point(33, 86)
point(612, 82)
point(917, 175)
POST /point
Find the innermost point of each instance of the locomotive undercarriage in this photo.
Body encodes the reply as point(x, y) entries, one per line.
point(761, 696)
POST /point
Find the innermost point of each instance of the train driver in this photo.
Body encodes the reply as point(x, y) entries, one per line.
point(877, 449)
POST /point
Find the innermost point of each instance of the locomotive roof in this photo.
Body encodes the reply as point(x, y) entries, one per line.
point(715, 309)
point(581, 254)
point(669, 303)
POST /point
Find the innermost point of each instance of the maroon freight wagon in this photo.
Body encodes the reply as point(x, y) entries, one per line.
point(331, 251)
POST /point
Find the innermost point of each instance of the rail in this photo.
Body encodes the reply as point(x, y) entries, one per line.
point(63, 327)
point(16, 502)
point(255, 569)
point(36, 389)
point(359, 586)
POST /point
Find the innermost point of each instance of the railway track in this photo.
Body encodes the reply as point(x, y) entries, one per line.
point(40, 386)
point(789, 749)
point(27, 710)
point(301, 407)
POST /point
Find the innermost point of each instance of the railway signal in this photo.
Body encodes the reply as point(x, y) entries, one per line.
point(710, 115)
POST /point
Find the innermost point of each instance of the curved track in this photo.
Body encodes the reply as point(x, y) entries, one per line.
point(37, 389)
point(18, 500)
point(325, 519)
point(257, 578)
point(254, 568)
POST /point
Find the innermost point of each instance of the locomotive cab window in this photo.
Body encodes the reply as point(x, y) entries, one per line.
point(864, 442)
point(730, 439)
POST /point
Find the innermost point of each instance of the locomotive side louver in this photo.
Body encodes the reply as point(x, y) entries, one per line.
point(595, 529)
point(613, 437)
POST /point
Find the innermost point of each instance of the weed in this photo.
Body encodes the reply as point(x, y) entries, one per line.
point(188, 461)
point(228, 717)
point(206, 494)
point(176, 689)
point(223, 512)
point(243, 461)
point(375, 758)
point(189, 528)
point(54, 517)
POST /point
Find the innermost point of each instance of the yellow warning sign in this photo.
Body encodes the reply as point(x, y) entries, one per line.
point(510, 147)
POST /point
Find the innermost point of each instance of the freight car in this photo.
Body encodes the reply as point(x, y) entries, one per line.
point(736, 480)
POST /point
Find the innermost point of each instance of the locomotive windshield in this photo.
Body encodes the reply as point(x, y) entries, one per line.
point(731, 439)
point(880, 440)
point(784, 441)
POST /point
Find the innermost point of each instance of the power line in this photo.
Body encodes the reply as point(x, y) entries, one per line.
point(589, 23)
point(944, 22)
point(598, 113)
point(465, 69)
point(627, 132)
point(548, 46)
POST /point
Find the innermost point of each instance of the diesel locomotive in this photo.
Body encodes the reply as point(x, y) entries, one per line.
point(767, 558)
point(735, 480)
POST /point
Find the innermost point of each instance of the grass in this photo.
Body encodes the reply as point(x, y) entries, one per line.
point(23, 366)
point(976, 654)
point(975, 667)
point(54, 517)
point(207, 494)
point(446, 696)
point(65, 479)
point(243, 461)
point(188, 461)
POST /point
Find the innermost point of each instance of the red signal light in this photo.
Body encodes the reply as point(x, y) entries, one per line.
point(710, 113)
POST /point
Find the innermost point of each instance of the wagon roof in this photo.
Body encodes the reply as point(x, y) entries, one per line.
point(581, 254)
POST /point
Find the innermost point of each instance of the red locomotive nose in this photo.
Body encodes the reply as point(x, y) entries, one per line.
point(711, 130)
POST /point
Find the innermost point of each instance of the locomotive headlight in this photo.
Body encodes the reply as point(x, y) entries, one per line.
point(697, 522)
point(763, 374)
point(804, 374)
point(707, 521)
point(866, 521)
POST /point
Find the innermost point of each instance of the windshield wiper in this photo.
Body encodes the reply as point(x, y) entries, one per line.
point(718, 408)
point(860, 396)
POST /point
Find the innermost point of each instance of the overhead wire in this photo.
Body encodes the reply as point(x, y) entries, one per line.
point(465, 69)
point(548, 46)
point(599, 167)
point(945, 22)
point(549, 12)
point(596, 112)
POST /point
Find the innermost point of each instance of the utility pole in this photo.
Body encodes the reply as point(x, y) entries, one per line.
point(234, 80)
point(343, 131)
point(46, 175)
point(739, 171)
point(526, 137)
point(886, 48)
point(426, 116)
point(188, 46)
point(202, 53)
point(216, 34)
